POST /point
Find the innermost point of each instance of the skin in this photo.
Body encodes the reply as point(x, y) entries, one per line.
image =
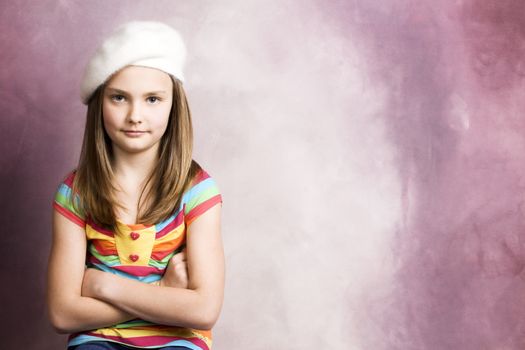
point(191, 291)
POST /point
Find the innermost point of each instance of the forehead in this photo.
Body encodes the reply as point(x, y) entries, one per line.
point(138, 78)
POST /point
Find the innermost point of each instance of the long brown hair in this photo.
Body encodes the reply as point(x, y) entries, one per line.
point(173, 174)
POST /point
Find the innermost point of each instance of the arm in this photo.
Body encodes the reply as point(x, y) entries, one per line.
point(176, 273)
point(69, 311)
point(197, 307)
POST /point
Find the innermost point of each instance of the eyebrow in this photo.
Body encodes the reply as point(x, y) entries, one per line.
point(145, 94)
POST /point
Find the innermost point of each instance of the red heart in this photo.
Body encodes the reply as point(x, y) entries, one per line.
point(134, 235)
point(133, 257)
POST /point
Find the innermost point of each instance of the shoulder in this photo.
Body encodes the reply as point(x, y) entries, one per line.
point(65, 186)
point(200, 176)
point(69, 177)
point(67, 180)
point(202, 194)
point(202, 180)
point(66, 201)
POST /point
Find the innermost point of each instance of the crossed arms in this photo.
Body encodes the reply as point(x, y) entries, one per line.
point(80, 299)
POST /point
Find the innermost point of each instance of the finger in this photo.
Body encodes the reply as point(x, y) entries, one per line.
point(180, 266)
point(178, 258)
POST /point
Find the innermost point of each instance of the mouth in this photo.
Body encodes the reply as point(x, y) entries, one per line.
point(134, 132)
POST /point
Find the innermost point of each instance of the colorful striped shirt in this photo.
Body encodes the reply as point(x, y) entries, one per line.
point(141, 252)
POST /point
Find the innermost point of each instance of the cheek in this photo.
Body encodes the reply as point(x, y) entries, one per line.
point(162, 120)
point(109, 119)
point(106, 123)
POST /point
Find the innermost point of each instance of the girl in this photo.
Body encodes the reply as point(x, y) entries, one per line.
point(137, 258)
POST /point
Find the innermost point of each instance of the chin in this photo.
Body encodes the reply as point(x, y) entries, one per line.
point(136, 149)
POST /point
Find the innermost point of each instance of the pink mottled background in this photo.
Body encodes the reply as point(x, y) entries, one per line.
point(371, 157)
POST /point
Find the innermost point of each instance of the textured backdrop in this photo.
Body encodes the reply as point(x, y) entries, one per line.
point(370, 155)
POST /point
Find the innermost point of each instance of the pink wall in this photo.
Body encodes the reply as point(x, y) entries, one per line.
point(370, 159)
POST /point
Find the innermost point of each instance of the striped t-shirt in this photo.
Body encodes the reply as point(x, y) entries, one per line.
point(141, 252)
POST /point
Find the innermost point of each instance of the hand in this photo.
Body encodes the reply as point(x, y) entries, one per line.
point(176, 273)
point(93, 282)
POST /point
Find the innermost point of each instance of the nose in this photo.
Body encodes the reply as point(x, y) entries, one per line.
point(134, 115)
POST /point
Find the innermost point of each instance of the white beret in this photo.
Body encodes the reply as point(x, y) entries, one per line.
point(137, 43)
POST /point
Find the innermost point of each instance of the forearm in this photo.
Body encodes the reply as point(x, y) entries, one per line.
point(86, 313)
point(162, 305)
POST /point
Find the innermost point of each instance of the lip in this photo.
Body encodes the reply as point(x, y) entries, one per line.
point(134, 133)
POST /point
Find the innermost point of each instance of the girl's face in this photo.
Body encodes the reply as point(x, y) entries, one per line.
point(136, 107)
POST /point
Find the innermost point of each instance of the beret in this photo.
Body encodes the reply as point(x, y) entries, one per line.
point(137, 43)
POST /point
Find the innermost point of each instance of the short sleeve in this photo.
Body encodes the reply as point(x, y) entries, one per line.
point(63, 204)
point(203, 195)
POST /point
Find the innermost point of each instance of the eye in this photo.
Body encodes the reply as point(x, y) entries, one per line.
point(153, 99)
point(117, 98)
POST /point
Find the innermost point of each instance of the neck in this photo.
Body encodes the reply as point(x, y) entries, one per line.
point(134, 169)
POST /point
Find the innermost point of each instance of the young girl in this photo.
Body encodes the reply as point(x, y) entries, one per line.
point(137, 258)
